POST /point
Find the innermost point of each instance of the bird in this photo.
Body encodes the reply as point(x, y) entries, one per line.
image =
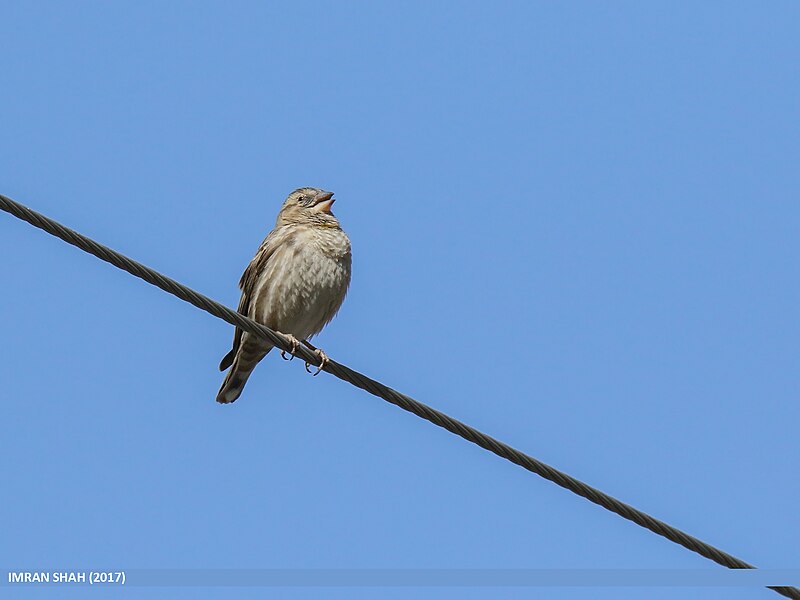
point(295, 284)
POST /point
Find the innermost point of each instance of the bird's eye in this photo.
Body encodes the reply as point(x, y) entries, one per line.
point(301, 200)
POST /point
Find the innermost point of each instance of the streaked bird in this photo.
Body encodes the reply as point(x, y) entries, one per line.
point(295, 284)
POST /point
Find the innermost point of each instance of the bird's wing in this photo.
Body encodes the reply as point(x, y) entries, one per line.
point(248, 284)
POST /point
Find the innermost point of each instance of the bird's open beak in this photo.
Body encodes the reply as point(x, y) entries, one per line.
point(324, 201)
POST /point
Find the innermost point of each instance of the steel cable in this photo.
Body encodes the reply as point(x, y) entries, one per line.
point(384, 392)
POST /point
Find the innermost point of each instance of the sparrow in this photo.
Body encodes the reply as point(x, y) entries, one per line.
point(295, 284)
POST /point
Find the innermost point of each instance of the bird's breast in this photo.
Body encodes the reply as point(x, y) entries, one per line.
point(306, 283)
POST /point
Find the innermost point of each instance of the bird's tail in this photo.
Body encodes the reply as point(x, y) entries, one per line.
point(242, 364)
point(232, 386)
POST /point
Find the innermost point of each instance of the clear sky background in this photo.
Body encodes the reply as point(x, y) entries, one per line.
point(575, 227)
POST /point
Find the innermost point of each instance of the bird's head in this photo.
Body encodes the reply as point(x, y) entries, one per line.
point(308, 206)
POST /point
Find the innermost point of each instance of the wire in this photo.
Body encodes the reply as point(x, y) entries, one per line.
point(381, 391)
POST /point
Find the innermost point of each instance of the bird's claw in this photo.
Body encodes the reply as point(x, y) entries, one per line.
point(295, 343)
point(323, 360)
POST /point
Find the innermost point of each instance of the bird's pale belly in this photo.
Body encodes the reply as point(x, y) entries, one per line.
point(301, 295)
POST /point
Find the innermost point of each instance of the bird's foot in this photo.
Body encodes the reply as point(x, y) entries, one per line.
point(323, 359)
point(295, 344)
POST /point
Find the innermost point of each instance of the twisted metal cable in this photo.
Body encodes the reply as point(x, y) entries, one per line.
point(381, 391)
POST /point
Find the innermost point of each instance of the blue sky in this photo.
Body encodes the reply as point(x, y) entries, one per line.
point(574, 225)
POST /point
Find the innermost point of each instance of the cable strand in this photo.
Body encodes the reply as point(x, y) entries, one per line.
point(384, 392)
